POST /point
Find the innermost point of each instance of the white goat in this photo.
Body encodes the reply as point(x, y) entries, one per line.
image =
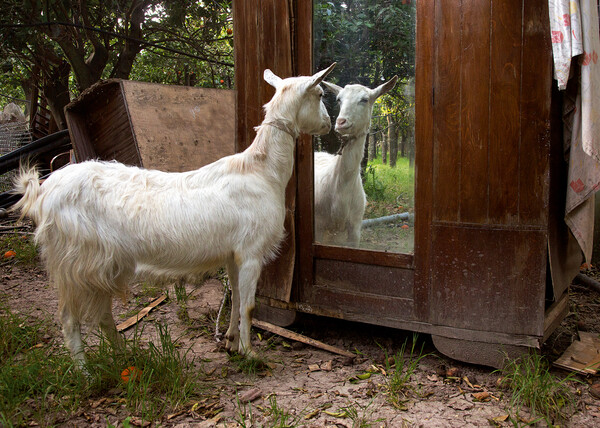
point(99, 223)
point(339, 195)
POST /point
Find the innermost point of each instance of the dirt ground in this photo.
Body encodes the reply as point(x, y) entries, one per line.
point(314, 384)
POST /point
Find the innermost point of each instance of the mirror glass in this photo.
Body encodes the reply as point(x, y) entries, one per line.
point(372, 149)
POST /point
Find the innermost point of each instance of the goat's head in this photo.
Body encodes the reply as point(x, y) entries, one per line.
point(356, 105)
point(297, 101)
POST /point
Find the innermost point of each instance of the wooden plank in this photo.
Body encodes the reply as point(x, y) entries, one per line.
point(446, 111)
point(424, 140)
point(239, 42)
point(141, 314)
point(373, 308)
point(583, 356)
point(304, 159)
point(475, 111)
point(368, 257)
point(505, 125)
point(357, 277)
point(535, 106)
point(288, 334)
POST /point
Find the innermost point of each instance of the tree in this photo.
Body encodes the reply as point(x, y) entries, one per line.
point(65, 46)
point(372, 40)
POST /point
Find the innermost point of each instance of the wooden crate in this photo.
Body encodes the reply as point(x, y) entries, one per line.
point(171, 128)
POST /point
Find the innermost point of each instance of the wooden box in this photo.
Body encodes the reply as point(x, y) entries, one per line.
point(171, 128)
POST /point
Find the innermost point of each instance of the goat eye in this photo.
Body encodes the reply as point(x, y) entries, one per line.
point(363, 101)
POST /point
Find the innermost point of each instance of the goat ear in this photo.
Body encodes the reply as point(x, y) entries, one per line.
point(384, 88)
point(271, 78)
point(318, 77)
point(332, 87)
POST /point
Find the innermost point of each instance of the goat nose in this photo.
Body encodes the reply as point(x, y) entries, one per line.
point(340, 121)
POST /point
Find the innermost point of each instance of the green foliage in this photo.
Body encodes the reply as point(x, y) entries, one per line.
point(531, 384)
point(389, 190)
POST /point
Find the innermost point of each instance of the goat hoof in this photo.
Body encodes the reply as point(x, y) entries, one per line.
point(232, 345)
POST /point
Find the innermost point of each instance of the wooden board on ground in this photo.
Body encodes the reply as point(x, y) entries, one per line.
point(583, 356)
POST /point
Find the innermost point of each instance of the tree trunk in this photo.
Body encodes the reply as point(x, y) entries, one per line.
point(55, 88)
point(384, 148)
point(372, 147)
point(365, 158)
point(392, 140)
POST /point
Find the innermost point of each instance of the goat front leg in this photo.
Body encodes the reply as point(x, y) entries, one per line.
point(249, 274)
point(232, 335)
point(354, 234)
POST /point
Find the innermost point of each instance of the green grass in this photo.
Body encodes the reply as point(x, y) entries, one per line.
point(399, 372)
point(530, 383)
point(39, 382)
point(22, 245)
point(389, 190)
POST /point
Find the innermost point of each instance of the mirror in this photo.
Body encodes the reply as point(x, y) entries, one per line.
point(372, 41)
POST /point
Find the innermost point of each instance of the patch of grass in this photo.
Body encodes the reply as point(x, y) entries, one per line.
point(531, 384)
point(361, 416)
point(389, 190)
point(279, 417)
point(163, 377)
point(400, 371)
point(39, 382)
point(248, 365)
point(23, 246)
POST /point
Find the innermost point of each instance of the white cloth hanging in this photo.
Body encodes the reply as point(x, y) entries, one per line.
point(575, 32)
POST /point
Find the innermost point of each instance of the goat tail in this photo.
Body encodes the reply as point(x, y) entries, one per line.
point(27, 183)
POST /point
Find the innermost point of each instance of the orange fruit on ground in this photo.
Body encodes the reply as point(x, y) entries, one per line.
point(9, 254)
point(130, 373)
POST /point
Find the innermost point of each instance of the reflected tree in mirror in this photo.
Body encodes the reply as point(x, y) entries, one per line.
point(372, 41)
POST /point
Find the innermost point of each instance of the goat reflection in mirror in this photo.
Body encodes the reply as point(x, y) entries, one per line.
point(339, 195)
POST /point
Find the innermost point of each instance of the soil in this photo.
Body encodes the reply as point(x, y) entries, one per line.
point(310, 383)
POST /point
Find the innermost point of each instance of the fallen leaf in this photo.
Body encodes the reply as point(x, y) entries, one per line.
point(433, 378)
point(312, 414)
point(327, 366)
point(481, 396)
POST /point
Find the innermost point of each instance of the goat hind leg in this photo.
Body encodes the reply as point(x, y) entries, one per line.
point(108, 325)
point(232, 335)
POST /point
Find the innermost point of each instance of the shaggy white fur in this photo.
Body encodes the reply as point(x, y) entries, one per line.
point(99, 223)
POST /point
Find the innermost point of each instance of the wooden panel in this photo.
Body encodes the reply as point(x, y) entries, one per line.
point(180, 128)
point(535, 113)
point(447, 105)
point(424, 132)
point(305, 190)
point(370, 308)
point(99, 125)
point(362, 278)
point(505, 126)
point(475, 111)
point(489, 279)
point(262, 38)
